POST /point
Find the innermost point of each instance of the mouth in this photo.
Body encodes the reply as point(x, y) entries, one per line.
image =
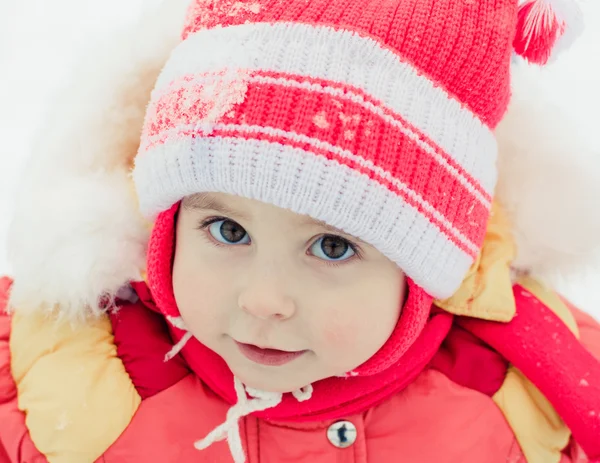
point(266, 356)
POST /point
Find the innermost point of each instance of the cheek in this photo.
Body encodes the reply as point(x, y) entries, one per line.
point(198, 293)
point(356, 326)
point(339, 329)
point(358, 329)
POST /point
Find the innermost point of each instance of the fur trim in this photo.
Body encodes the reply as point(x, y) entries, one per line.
point(548, 182)
point(77, 236)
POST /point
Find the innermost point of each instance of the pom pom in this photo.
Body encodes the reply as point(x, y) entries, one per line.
point(545, 28)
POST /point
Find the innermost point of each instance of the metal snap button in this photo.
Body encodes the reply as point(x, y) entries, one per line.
point(342, 434)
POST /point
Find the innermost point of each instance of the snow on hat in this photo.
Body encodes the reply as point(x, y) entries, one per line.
point(376, 117)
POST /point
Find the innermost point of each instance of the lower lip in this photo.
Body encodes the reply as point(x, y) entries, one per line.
point(269, 357)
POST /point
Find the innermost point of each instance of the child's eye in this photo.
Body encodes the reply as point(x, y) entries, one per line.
point(332, 248)
point(228, 232)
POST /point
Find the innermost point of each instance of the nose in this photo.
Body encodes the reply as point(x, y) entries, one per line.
point(265, 300)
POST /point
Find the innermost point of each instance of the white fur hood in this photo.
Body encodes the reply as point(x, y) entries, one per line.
point(77, 235)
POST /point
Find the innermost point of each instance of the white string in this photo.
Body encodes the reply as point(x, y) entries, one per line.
point(303, 394)
point(249, 400)
point(179, 346)
point(178, 322)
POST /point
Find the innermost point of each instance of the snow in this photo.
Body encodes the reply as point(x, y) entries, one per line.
point(39, 40)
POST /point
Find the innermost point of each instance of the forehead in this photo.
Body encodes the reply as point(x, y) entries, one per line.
point(239, 207)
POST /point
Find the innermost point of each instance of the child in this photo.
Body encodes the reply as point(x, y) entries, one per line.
point(328, 274)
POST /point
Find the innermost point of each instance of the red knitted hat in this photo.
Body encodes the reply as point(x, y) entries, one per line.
point(374, 116)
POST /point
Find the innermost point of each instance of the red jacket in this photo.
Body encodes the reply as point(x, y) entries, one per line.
point(454, 415)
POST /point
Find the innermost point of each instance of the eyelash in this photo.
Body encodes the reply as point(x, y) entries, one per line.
point(204, 224)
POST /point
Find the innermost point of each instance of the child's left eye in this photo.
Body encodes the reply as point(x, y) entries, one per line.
point(228, 232)
point(332, 248)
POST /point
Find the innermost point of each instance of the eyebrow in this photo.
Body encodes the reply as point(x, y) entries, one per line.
point(203, 201)
point(309, 221)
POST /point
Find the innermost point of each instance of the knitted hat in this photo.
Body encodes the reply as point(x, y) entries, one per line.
point(375, 117)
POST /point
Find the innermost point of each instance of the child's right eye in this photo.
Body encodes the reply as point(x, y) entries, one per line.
point(333, 249)
point(227, 231)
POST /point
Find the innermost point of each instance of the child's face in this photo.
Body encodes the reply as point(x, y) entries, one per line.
point(249, 275)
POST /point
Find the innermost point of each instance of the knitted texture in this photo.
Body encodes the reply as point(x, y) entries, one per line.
point(375, 116)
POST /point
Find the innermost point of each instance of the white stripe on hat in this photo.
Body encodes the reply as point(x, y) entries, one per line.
point(319, 144)
point(344, 56)
point(300, 181)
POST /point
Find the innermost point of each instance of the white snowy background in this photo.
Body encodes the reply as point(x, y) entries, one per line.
point(40, 39)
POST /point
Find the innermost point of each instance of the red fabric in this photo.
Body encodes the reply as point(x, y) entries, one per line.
point(463, 47)
point(15, 443)
point(4, 455)
point(574, 454)
point(142, 339)
point(432, 420)
point(554, 360)
point(468, 361)
point(411, 347)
